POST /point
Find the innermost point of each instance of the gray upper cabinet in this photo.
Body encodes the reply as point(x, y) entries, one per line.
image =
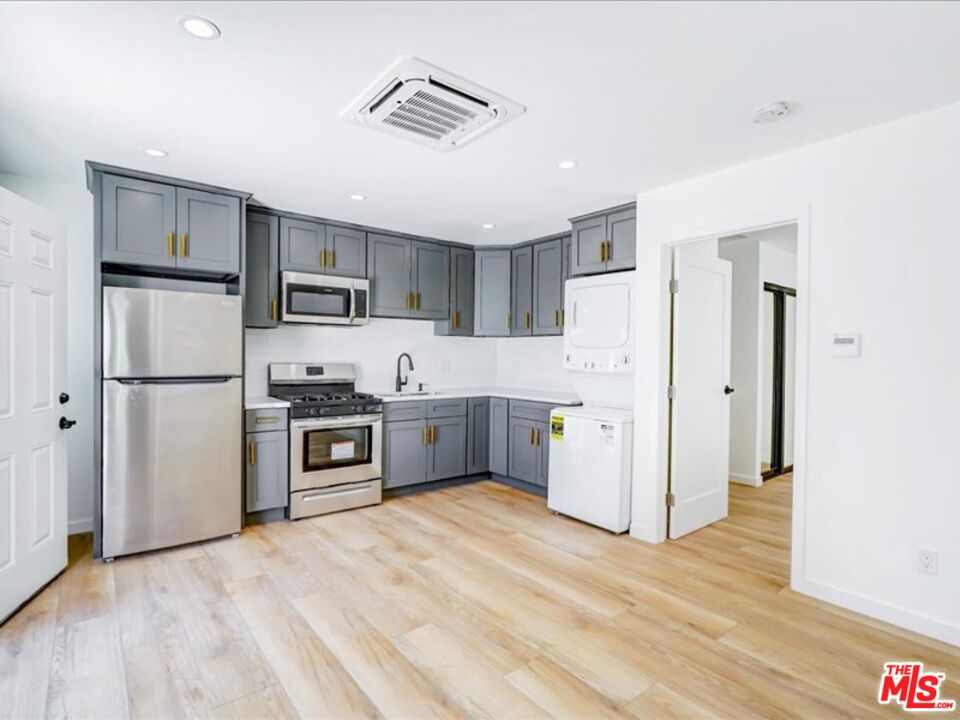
point(523, 451)
point(460, 321)
point(302, 245)
point(521, 312)
point(405, 457)
point(139, 222)
point(491, 305)
point(346, 252)
point(267, 464)
point(499, 435)
point(604, 242)
point(388, 268)
point(547, 287)
point(430, 280)
point(478, 435)
point(208, 226)
point(261, 301)
point(622, 240)
point(447, 448)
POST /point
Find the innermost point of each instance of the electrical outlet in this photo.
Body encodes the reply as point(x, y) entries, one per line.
point(927, 561)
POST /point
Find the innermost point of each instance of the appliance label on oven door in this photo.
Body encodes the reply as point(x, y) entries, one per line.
point(342, 450)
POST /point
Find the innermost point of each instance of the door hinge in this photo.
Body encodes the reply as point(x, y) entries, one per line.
point(671, 500)
point(674, 286)
point(671, 392)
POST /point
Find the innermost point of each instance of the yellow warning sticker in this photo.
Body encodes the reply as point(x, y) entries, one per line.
point(556, 427)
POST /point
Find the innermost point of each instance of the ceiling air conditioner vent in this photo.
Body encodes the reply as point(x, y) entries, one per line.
point(421, 102)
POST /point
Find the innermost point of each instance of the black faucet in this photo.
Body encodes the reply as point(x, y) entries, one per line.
point(401, 383)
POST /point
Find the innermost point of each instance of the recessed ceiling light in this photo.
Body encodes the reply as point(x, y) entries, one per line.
point(200, 27)
point(357, 196)
point(488, 226)
point(156, 152)
point(769, 112)
point(567, 164)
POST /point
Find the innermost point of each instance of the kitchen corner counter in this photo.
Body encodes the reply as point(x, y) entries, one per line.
point(263, 402)
point(553, 397)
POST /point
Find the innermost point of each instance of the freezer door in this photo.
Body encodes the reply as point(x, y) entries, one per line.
point(171, 463)
point(165, 333)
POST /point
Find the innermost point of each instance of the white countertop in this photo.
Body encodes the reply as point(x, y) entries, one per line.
point(553, 397)
point(263, 402)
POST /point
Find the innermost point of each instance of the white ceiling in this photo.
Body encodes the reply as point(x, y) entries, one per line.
point(641, 94)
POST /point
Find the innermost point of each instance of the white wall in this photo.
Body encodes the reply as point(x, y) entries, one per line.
point(878, 254)
point(74, 206)
point(532, 362)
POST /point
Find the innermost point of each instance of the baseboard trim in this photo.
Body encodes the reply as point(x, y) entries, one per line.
point(79, 526)
point(917, 622)
point(519, 484)
point(752, 480)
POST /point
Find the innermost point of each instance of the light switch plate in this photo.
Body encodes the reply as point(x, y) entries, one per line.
point(846, 345)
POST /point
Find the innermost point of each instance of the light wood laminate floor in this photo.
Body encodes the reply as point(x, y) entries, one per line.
point(468, 601)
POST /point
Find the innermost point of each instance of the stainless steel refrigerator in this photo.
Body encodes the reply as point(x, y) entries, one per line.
point(172, 418)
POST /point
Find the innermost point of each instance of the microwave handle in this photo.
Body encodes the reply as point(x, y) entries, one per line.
point(353, 303)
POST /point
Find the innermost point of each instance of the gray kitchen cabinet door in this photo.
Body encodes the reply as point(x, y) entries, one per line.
point(461, 294)
point(302, 246)
point(622, 239)
point(499, 435)
point(430, 280)
point(447, 451)
point(208, 228)
point(543, 450)
point(346, 252)
point(564, 276)
point(491, 306)
point(521, 291)
point(404, 453)
point(478, 435)
point(388, 269)
point(586, 251)
point(547, 287)
point(267, 465)
point(139, 222)
point(524, 455)
point(261, 302)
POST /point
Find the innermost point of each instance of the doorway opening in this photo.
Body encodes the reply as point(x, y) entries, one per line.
point(733, 365)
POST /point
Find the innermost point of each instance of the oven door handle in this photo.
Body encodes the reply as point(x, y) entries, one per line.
point(321, 424)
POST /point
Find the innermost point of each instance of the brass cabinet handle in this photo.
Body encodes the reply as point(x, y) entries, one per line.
point(556, 318)
point(538, 437)
point(170, 250)
point(526, 320)
point(273, 309)
point(602, 250)
point(426, 436)
point(331, 259)
point(433, 434)
point(406, 301)
point(530, 440)
point(323, 258)
point(253, 453)
point(418, 302)
point(563, 319)
point(508, 321)
point(183, 245)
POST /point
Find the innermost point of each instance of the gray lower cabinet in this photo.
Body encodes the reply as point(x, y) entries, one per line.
point(478, 435)
point(139, 222)
point(404, 453)
point(447, 448)
point(430, 280)
point(521, 291)
point(543, 446)
point(491, 305)
point(460, 321)
point(267, 466)
point(302, 245)
point(547, 287)
point(604, 241)
point(499, 435)
point(346, 252)
point(261, 300)
point(208, 225)
point(523, 452)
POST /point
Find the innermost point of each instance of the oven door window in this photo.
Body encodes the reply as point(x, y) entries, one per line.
point(335, 448)
point(318, 301)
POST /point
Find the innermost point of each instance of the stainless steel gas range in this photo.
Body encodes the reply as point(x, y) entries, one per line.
point(335, 438)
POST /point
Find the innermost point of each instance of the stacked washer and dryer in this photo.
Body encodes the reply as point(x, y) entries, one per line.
point(591, 446)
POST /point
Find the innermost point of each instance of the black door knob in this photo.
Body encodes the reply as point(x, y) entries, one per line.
point(64, 398)
point(66, 424)
point(727, 390)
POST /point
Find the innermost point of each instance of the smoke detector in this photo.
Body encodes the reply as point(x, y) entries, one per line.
point(769, 112)
point(418, 101)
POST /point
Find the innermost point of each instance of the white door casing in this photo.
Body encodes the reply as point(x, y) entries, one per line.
point(700, 428)
point(33, 364)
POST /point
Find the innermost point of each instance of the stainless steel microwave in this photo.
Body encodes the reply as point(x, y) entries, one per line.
point(324, 299)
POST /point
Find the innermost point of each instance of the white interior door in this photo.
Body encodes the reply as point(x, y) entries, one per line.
point(33, 364)
point(700, 438)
